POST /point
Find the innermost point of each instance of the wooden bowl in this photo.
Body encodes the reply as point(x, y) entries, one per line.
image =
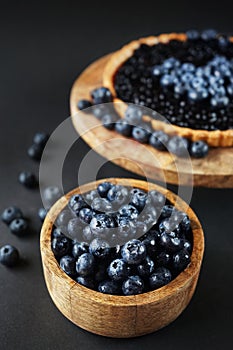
point(120, 316)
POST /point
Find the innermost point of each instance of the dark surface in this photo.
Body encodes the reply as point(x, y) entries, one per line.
point(42, 51)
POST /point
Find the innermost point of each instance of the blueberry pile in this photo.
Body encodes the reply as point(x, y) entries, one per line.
point(190, 83)
point(13, 216)
point(122, 241)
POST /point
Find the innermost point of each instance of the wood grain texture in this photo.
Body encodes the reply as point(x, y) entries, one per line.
point(120, 316)
point(216, 170)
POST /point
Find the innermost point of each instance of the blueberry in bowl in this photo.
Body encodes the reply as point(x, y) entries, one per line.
point(123, 275)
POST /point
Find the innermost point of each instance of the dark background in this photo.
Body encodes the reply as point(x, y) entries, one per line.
point(42, 50)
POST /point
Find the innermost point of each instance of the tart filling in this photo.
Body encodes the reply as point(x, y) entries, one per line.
point(187, 78)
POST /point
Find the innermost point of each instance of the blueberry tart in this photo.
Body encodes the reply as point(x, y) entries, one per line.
point(187, 78)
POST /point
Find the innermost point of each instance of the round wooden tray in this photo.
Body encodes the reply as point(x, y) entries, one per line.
point(216, 170)
point(120, 316)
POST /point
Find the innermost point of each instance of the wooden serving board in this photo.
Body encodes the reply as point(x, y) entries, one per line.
point(216, 170)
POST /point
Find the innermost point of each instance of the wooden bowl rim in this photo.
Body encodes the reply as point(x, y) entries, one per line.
point(180, 281)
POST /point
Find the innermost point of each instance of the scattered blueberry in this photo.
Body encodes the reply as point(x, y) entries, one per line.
point(19, 226)
point(11, 213)
point(35, 151)
point(28, 179)
point(51, 194)
point(41, 139)
point(42, 212)
point(83, 105)
point(199, 149)
point(178, 146)
point(9, 255)
point(159, 140)
point(101, 95)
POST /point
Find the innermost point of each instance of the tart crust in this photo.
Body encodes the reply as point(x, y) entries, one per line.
point(216, 138)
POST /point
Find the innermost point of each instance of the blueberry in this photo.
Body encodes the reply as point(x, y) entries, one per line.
point(118, 195)
point(133, 115)
point(85, 264)
point(170, 242)
point(42, 212)
point(209, 34)
point(99, 248)
point(11, 213)
point(159, 140)
point(180, 260)
point(123, 128)
point(101, 205)
point(109, 121)
point(90, 196)
point(9, 255)
point(163, 259)
point(109, 287)
point(167, 211)
point(129, 210)
point(167, 80)
point(193, 34)
point(127, 229)
point(101, 95)
point(19, 226)
point(100, 110)
point(51, 195)
point(80, 248)
point(199, 149)
point(84, 104)
point(61, 246)
point(169, 224)
point(178, 146)
point(87, 234)
point(138, 199)
point(103, 188)
point(133, 285)
point(40, 138)
point(187, 246)
point(133, 252)
point(151, 243)
point(74, 228)
point(57, 232)
point(64, 217)
point(156, 198)
point(28, 179)
point(35, 151)
point(160, 278)
point(86, 281)
point(76, 203)
point(146, 267)
point(67, 264)
point(140, 134)
point(98, 225)
point(118, 270)
point(86, 215)
point(101, 273)
point(149, 215)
